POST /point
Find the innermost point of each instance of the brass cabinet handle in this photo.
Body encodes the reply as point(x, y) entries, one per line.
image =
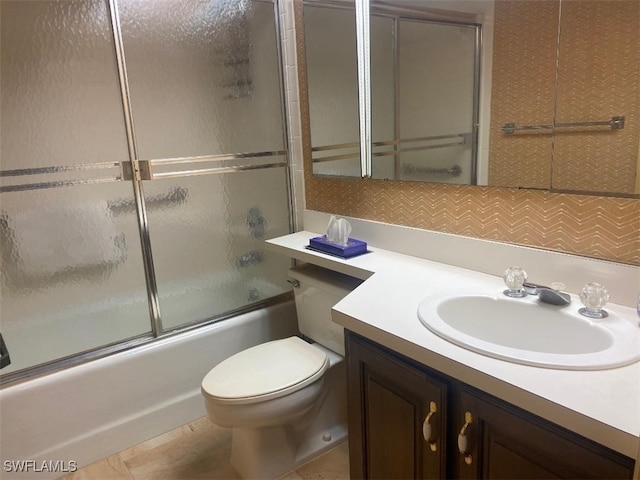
point(426, 427)
point(463, 443)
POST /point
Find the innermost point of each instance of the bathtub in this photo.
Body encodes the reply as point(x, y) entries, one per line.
point(93, 410)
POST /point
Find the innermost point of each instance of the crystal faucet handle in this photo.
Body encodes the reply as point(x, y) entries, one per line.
point(514, 278)
point(594, 296)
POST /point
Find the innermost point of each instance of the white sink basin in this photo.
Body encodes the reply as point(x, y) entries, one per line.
point(523, 330)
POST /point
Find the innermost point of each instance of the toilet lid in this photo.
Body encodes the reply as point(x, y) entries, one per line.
point(266, 371)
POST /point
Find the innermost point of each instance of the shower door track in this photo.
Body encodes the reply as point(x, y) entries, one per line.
point(145, 339)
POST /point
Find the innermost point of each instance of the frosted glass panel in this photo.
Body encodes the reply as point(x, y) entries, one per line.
point(204, 80)
point(72, 273)
point(59, 97)
point(209, 252)
point(204, 76)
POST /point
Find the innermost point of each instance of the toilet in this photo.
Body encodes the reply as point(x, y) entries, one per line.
point(286, 399)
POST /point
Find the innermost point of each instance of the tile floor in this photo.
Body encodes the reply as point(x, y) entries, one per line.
point(198, 450)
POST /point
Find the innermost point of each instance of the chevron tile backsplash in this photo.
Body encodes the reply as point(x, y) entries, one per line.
point(601, 37)
point(600, 227)
point(613, 89)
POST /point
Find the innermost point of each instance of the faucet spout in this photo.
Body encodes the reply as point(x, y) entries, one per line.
point(547, 294)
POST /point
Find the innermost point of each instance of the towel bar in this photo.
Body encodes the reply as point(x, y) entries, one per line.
point(615, 123)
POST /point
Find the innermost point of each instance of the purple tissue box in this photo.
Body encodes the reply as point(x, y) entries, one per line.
point(351, 249)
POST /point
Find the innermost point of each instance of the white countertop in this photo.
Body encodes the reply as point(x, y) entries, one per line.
point(603, 405)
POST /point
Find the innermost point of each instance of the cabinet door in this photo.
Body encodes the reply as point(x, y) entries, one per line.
point(396, 416)
point(504, 442)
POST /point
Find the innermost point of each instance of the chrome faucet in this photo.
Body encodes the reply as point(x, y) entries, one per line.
point(551, 294)
point(516, 280)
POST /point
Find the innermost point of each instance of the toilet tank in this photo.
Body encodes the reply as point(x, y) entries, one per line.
point(320, 289)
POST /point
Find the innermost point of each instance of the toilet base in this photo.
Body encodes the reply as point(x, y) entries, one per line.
point(270, 452)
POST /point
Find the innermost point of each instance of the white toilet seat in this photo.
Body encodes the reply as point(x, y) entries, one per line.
point(264, 372)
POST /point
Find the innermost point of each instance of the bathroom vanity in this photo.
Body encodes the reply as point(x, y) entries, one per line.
point(416, 400)
point(409, 421)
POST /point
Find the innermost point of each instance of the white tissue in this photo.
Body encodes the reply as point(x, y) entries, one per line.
point(338, 231)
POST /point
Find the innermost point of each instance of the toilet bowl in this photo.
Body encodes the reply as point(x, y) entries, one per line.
point(286, 399)
point(269, 384)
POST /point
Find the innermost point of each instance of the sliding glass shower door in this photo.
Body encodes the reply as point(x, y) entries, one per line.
point(144, 163)
point(207, 110)
point(72, 272)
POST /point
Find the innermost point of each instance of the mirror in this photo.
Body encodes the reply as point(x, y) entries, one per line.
point(424, 99)
point(330, 55)
point(567, 68)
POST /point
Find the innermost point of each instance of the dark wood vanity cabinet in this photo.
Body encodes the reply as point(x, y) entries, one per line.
point(506, 442)
point(408, 421)
point(396, 417)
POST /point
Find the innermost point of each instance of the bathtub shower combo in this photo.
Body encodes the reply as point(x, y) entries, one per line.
point(144, 162)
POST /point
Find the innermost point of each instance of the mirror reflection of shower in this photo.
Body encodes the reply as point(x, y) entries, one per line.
point(424, 93)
